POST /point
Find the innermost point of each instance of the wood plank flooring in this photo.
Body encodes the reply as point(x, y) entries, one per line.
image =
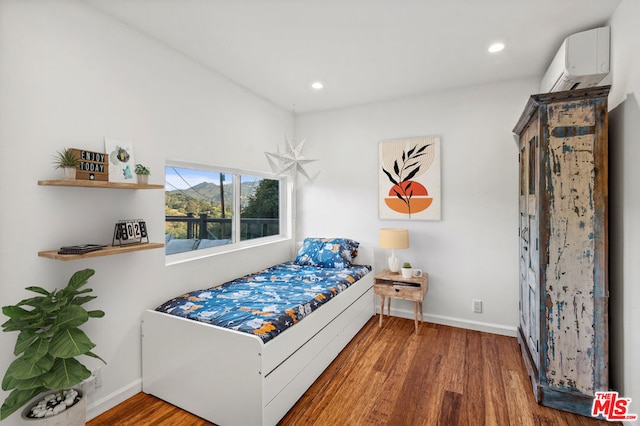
point(391, 376)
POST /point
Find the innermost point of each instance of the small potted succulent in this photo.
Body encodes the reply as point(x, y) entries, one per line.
point(407, 270)
point(49, 342)
point(67, 161)
point(142, 173)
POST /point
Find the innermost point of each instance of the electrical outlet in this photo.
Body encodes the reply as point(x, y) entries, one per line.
point(97, 374)
point(89, 385)
point(477, 306)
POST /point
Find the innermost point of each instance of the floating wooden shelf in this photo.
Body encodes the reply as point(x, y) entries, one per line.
point(97, 184)
point(107, 251)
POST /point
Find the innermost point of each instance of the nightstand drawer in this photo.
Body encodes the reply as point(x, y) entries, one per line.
point(401, 292)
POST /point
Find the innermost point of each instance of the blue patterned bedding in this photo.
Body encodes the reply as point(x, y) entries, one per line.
point(266, 303)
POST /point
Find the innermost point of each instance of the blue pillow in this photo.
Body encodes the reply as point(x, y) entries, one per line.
point(179, 245)
point(212, 243)
point(327, 252)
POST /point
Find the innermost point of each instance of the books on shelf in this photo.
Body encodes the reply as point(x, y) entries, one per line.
point(80, 249)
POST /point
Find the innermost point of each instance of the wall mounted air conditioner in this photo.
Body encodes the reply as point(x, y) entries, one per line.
point(582, 61)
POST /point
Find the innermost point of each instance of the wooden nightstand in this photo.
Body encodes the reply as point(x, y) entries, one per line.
point(387, 285)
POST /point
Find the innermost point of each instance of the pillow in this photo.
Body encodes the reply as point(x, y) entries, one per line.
point(327, 252)
point(212, 243)
point(179, 245)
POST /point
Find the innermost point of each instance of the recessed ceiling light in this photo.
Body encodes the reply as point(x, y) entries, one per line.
point(317, 85)
point(496, 47)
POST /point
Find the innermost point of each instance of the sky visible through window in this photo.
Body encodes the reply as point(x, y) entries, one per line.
point(181, 178)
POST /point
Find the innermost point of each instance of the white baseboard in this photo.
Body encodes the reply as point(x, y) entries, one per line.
point(95, 408)
point(458, 322)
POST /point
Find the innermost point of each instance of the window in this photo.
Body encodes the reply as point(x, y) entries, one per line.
point(220, 209)
point(260, 207)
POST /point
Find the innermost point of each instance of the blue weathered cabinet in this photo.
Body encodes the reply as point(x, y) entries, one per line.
point(563, 196)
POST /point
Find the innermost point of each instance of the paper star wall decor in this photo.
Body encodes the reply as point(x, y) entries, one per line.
point(291, 161)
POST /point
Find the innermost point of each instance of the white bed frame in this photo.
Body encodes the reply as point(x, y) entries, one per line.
point(233, 378)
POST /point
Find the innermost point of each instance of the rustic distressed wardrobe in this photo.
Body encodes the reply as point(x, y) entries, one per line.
point(563, 331)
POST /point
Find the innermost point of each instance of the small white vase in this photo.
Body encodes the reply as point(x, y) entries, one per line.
point(69, 172)
point(407, 272)
point(143, 179)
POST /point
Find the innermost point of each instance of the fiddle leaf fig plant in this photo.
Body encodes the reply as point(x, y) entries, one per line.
point(49, 341)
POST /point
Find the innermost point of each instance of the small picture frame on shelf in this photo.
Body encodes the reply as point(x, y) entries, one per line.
point(122, 162)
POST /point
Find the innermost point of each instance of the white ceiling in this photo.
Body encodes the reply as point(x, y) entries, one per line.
point(363, 50)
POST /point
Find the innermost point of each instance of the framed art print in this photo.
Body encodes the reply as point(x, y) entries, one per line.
point(121, 162)
point(409, 179)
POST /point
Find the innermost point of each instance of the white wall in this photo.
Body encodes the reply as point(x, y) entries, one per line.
point(70, 76)
point(473, 252)
point(624, 198)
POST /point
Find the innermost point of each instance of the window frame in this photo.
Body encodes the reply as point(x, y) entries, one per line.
point(285, 212)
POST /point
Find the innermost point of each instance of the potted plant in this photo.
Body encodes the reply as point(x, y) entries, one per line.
point(47, 347)
point(67, 161)
point(143, 173)
point(407, 270)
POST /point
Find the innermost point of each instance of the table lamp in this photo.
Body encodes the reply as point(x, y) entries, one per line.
point(394, 239)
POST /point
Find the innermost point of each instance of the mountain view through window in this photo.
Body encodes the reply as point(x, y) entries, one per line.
point(208, 208)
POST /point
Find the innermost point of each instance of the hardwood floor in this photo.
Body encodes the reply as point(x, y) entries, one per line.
point(391, 376)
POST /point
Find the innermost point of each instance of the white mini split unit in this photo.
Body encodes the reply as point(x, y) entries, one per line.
point(582, 61)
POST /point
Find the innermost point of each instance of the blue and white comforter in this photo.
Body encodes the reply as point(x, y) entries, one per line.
point(268, 302)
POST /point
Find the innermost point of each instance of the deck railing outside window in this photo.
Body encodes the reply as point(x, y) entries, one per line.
point(205, 227)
